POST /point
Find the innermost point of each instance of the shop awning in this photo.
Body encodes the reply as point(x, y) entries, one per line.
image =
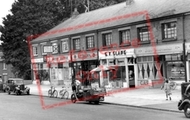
point(103, 68)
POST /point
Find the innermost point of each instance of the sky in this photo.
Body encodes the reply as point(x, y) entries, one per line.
point(5, 6)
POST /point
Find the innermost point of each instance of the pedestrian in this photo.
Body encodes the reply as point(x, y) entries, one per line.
point(167, 88)
point(74, 89)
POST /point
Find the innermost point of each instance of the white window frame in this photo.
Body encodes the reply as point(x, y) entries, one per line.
point(42, 48)
point(54, 47)
point(4, 66)
point(64, 42)
point(120, 35)
point(87, 41)
point(35, 50)
point(74, 46)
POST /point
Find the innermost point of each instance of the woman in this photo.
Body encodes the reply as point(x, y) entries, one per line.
point(167, 89)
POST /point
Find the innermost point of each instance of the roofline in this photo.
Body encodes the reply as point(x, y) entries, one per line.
point(112, 27)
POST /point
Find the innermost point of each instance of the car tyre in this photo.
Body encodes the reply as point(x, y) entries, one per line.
point(97, 102)
point(28, 92)
point(187, 110)
point(17, 93)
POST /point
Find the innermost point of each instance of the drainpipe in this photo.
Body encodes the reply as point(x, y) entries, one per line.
point(71, 61)
point(97, 48)
point(184, 47)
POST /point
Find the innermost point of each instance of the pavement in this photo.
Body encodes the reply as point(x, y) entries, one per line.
point(142, 97)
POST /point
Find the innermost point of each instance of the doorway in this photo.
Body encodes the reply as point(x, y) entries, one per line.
point(131, 76)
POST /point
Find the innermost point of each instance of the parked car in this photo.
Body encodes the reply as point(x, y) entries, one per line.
point(184, 103)
point(17, 86)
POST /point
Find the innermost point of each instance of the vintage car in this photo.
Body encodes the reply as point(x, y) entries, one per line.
point(91, 94)
point(17, 86)
point(184, 103)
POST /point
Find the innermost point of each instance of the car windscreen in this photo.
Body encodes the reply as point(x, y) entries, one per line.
point(19, 81)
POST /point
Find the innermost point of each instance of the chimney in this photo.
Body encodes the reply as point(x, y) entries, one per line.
point(129, 2)
point(75, 13)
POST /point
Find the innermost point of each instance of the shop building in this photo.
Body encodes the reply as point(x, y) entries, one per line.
point(50, 62)
point(144, 41)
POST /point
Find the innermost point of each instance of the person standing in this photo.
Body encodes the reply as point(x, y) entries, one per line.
point(167, 89)
point(74, 89)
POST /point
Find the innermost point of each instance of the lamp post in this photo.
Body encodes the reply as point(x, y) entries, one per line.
point(184, 60)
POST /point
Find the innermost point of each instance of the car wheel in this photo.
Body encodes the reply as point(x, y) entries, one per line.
point(97, 102)
point(28, 92)
point(187, 110)
point(17, 93)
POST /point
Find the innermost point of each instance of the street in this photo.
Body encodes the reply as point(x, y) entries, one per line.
point(26, 107)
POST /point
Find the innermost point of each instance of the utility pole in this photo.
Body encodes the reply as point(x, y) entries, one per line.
point(184, 60)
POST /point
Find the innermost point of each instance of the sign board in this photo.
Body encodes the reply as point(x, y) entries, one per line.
point(47, 49)
point(120, 53)
point(37, 60)
point(160, 50)
point(84, 55)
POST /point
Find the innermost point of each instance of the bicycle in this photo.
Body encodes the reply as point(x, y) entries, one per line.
point(52, 92)
point(173, 85)
point(64, 93)
point(144, 82)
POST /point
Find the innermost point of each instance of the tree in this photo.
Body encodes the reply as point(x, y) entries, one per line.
point(33, 17)
point(29, 17)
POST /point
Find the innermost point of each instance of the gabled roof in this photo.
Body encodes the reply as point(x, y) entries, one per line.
point(155, 8)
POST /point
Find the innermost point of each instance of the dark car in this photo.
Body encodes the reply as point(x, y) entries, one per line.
point(184, 103)
point(17, 86)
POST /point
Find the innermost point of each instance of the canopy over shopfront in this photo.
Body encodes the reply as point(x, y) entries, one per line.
point(104, 68)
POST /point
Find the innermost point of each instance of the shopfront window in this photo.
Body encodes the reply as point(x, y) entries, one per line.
point(176, 70)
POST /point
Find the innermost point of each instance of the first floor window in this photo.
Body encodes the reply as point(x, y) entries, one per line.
point(125, 37)
point(76, 44)
point(35, 50)
point(90, 42)
point(4, 66)
point(169, 30)
point(65, 46)
point(144, 34)
point(107, 39)
point(54, 48)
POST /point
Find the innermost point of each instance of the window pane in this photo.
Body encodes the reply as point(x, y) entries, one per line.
point(125, 37)
point(144, 34)
point(65, 46)
point(35, 50)
point(54, 48)
point(107, 39)
point(170, 30)
point(76, 43)
point(90, 41)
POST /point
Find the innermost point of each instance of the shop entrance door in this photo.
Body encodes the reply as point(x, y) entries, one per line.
point(131, 76)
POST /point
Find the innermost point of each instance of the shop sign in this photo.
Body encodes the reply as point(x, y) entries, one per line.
point(84, 55)
point(121, 53)
point(37, 60)
point(159, 50)
point(57, 59)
